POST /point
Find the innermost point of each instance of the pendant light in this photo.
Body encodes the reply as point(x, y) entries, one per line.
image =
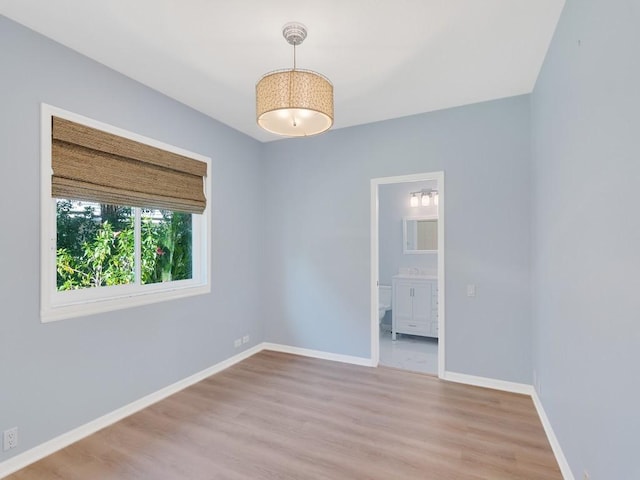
point(295, 102)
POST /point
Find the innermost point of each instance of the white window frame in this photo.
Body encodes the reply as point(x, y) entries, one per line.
point(58, 305)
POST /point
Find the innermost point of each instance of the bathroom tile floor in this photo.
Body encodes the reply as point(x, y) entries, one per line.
point(409, 352)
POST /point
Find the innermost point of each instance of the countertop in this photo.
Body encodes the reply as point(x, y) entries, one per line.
point(409, 276)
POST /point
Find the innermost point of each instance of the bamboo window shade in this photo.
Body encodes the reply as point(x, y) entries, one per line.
point(93, 165)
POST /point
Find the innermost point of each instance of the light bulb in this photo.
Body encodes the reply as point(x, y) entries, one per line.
point(435, 198)
point(414, 200)
point(425, 200)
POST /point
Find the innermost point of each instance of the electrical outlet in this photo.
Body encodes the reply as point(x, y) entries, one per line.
point(237, 342)
point(471, 290)
point(10, 438)
point(245, 339)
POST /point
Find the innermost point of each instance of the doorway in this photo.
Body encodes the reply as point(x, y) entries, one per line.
point(415, 271)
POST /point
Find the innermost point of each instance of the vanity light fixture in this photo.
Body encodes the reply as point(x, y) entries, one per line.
point(427, 198)
point(294, 102)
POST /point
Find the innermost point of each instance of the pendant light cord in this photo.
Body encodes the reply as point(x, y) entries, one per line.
point(294, 56)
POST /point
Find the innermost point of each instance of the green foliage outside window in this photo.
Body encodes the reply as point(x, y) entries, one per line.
point(166, 247)
point(96, 246)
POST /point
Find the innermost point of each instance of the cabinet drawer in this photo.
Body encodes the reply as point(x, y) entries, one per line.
point(413, 328)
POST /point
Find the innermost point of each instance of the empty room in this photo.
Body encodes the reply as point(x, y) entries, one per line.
point(305, 240)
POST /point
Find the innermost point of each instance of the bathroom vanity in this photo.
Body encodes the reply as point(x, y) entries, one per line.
point(415, 305)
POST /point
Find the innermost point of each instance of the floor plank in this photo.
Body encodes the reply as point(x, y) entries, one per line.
point(280, 416)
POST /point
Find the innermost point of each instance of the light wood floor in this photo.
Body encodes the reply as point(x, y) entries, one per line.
point(279, 416)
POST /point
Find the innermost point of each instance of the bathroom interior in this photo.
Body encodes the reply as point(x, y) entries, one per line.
point(408, 275)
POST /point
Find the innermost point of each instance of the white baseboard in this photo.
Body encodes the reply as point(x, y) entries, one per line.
point(567, 474)
point(305, 352)
point(47, 448)
point(524, 389)
point(512, 387)
point(33, 455)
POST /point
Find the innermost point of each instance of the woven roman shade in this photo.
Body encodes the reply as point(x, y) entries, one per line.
point(93, 165)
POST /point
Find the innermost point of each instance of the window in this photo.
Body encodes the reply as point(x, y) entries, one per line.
point(124, 218)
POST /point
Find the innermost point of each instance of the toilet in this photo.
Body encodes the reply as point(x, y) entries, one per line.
point(384, 300)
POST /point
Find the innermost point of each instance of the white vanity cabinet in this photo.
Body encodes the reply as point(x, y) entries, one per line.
point(415, 305)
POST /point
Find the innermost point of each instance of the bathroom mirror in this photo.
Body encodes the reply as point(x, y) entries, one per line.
point(420, 235)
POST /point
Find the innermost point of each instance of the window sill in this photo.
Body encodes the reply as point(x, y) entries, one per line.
point(81, 309)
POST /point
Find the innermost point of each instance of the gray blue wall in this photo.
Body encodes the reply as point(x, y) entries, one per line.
point(57, 376)
point(544, 184)
point(318, 211)
point(586, 236)
point(393, 206)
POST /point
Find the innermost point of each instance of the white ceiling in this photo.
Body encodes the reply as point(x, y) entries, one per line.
point(386, 58)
